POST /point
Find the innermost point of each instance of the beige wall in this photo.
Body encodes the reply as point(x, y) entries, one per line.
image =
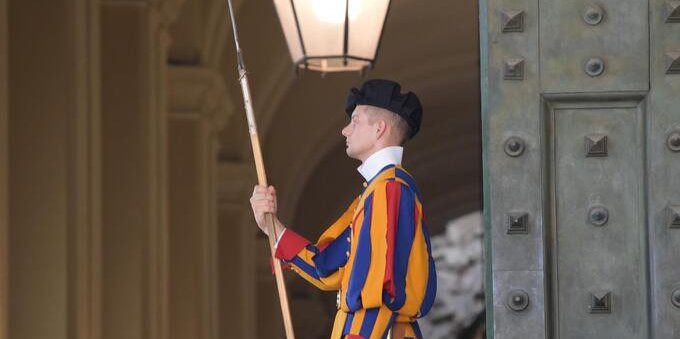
point(53, 162)
point(83, 136)
point(198, 106)
point(240, 255)
point(186, 238)
point(134, 171)
point(89, 191)
point(42, 48)
point(4, 218)
point(125, 204)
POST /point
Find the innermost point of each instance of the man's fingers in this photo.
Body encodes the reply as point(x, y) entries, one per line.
point(264, 207)
point(268, 200)
point(264, 189)
point(261, 198)
point(263, 201)
point(259, 189)
point(263, 204)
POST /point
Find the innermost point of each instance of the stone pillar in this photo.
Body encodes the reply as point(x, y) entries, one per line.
point(198, 105)
point(4, 219)
point(134, 42)
point(239, 254)
point(53, 164)
point(84, 176)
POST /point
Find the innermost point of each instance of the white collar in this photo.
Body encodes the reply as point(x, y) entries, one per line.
point(375, 162)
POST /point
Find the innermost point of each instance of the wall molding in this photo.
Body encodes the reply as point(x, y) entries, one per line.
point(199, 93)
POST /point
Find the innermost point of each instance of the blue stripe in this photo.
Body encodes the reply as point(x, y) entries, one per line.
point(362, 260)
point(382, 170)
point(332, 257)
point(403, 243)
point(431, 290)
point(348, 324)
point(416, 329)
point(409, 181)
point(369, 322)
point(307, 268)
point(389, 326)
point(312, 249)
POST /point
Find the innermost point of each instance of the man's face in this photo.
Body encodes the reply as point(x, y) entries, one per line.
point(360, 134)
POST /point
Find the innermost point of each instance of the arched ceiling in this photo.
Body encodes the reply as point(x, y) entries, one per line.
point(430, 47)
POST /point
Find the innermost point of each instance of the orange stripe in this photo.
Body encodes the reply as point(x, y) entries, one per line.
point(310, 279)
point(338, 226)
point(358, 213)
point(338, 325)
point(381, 322)
point(417, 269)
point(357, 321)
point(371, 294)
point(402, 181)
point(306, 256)
point(334, 280)
point(409, 333)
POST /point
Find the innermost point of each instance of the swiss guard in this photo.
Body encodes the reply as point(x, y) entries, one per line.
point(377, 255)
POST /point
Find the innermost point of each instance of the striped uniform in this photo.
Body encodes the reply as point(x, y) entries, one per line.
point(377, 255)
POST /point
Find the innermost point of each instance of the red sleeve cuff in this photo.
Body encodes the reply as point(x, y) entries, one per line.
point(290, 245)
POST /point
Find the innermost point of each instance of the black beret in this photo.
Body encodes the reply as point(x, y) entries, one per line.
point(387, 94)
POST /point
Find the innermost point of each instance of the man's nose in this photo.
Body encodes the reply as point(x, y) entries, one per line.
point(345, 131)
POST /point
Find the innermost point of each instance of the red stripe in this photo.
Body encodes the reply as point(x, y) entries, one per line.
point(393, 196)
point(415, 218)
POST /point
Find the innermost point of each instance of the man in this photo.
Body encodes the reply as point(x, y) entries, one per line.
point(377, 254)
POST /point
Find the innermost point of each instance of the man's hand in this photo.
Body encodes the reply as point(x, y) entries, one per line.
point(264, 201)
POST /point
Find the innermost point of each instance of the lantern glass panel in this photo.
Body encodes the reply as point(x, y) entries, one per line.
point(332, 35)
point(366, 27)
point(285, 11)
point(322, 26)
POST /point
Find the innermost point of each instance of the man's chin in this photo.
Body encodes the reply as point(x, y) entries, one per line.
point(350, 153)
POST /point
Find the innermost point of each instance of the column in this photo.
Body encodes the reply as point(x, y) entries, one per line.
point(4, 219)
point(241, 260)
point(83, 136)
point(134, 42)
point(52, 163)
point(198, 106)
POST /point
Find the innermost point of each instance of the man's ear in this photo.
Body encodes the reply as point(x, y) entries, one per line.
point(382, 127)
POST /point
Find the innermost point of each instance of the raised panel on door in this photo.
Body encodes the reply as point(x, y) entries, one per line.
point(598, 219)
